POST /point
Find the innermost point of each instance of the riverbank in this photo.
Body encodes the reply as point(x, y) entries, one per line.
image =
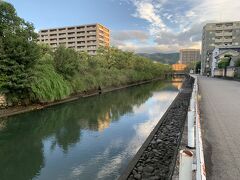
point(10, 111)
point(157, 156)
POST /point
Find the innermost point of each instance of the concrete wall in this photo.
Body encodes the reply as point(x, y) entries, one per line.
point(3, 101)
point(230, 72)
point(218, 72)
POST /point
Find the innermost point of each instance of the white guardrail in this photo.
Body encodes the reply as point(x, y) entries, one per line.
point(201, 171)
point(186, 159)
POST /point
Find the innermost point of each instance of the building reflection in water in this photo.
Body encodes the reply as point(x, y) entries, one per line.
point(104, 121)
point(177, 82)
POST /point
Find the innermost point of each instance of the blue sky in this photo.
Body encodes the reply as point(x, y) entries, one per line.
point(136, 25)
point(114, 14)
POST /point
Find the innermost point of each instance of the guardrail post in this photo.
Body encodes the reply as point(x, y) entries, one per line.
point(186, 161)
point(191, 138)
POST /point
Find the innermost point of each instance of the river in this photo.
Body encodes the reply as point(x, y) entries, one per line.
point(91, 138)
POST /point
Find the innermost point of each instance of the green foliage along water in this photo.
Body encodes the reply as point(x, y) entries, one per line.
point(32, 72)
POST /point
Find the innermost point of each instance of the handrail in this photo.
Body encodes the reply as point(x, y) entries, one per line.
point(201, 171)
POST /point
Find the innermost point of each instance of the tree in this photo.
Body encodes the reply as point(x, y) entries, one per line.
point(66, 62)
point(18, 53)
point(224, 63)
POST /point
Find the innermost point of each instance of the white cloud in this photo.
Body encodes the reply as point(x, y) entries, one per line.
point(126, 35)
point(176, 24)
point(147, 11)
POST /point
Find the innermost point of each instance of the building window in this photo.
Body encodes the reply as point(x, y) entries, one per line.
point(52, 30)
point(92, 26)
point(71, 28)
point(80, 32)
point(80, 27)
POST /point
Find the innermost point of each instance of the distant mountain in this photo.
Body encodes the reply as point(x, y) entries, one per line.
point(165, 58)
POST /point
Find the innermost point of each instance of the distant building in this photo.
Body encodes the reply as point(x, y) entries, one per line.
point(217, 34)
point(179, 67)
point(188, 56)
point(86, 38)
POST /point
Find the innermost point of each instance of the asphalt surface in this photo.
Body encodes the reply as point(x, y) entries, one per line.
point(220, 111)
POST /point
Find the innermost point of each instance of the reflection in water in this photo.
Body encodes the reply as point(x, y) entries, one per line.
point(90, 138)
point(177, 82)
point(104, 122)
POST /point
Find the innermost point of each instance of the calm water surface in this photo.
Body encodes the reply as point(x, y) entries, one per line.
point(92, 138)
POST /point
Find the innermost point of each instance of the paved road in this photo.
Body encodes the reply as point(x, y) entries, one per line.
point(220, 108)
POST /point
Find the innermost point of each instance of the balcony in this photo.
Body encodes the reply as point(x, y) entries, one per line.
point(81, 27)
point(53, 44)
point(81, 32)
point(218, 34)
point(93, 27)
point(71, 33)
point(91, 37)
point(62, 39)
point(229, 40)
point(53, 39)
point(80, 42)
point(228, 27)
point(71, 28)
point(81, 37)
point(221, 40)
point(44, 31)
point(91, 42)
point(53, 30)
point(227, 34)
point(80, 47)
point(71, 42)
point(62, 34)
point(71, 38)
point(61, 29)
point(91, 32)
point(92, 47)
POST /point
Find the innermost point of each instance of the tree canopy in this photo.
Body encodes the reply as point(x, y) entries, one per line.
point(19, 52)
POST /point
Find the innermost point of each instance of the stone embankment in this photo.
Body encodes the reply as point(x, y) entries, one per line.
point(157, 157)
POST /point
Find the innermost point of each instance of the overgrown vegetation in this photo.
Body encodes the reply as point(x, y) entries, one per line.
point(31, 72)
point(237, 64)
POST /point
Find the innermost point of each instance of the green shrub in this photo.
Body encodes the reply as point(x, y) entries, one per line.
point(47, 84)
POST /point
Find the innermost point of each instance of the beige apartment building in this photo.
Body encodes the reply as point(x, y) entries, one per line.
point(86, 38)
point(217, 35)
point(188, 56)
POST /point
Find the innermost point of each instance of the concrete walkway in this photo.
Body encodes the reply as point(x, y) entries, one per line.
point(220, 108)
